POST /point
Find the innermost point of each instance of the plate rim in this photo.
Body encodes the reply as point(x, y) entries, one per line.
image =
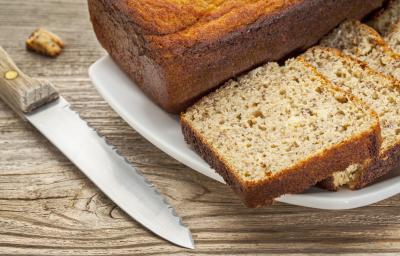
point(387, 188)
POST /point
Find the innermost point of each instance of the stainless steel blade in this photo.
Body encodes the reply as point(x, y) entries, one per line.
point(109, 171)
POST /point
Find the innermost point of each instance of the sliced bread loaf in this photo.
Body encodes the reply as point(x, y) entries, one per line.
point(364, 43)
point(384, 20)
point(382, 93)
point(280, 130)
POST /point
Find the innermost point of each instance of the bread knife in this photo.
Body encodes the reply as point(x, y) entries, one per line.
point(39, 103)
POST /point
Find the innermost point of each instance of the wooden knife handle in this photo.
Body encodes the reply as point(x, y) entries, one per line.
point(22, 93)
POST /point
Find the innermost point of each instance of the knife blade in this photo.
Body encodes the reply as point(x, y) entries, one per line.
point(39, 103)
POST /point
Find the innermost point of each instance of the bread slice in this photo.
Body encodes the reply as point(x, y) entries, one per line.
point(280, 130)
point(387, 23)
point(384, 20)
point(364, 43)
point(393, 39)
point(382, 93)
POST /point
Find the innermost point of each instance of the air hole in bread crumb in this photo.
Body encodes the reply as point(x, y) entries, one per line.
point(341, 98)
point(262, 128)
point(345, 127)
point(309, 112)
point(292, 146)
point(340, 112)
point(251, 123)
point(397, 131)
point(258, 113)
point(318, 90)
point(339, 73)
point(268, 173)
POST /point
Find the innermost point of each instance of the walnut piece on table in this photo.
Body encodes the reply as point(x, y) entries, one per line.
point(45, 42)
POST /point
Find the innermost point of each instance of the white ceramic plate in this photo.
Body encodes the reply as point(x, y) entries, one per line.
point(163, 130)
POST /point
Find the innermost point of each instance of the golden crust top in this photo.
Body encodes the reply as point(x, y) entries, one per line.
point(196, 19)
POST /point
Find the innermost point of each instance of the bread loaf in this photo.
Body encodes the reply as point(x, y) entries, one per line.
point(177, 51)
point(280, 130)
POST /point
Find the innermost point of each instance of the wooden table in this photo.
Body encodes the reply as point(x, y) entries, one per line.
point(47, 207)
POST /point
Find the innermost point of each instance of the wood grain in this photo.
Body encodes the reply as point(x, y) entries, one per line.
point(47, 207)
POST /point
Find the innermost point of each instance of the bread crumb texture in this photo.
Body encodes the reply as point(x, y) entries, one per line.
point(386, 18)
point(380, 92)
point(364, 43)
point(268, 120)
point(387, 23)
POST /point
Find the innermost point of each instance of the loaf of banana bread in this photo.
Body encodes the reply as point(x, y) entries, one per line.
point(177, 51)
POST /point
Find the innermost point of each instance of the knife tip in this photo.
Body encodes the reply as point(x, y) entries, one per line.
point(188, 242)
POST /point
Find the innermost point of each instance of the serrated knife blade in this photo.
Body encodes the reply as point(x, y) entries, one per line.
point(39, 103)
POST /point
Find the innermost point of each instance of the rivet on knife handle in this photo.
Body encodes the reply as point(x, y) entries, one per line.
point(22, 93)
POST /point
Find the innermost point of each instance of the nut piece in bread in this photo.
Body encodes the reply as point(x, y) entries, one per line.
point(45, 42)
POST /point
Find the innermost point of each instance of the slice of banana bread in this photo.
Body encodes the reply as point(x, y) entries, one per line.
point(364, 43)
point(384, 20)
point(382, 93)
point(387, 23)
point(280, 130)
point(393, 39)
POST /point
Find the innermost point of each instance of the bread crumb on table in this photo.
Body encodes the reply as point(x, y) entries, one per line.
point(45, 43)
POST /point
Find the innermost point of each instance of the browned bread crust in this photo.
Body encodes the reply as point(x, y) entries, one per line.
point(295, 180)
point(377, 169)
point(178, 51)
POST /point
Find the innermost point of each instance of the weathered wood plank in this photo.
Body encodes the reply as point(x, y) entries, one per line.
point(47, 207)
